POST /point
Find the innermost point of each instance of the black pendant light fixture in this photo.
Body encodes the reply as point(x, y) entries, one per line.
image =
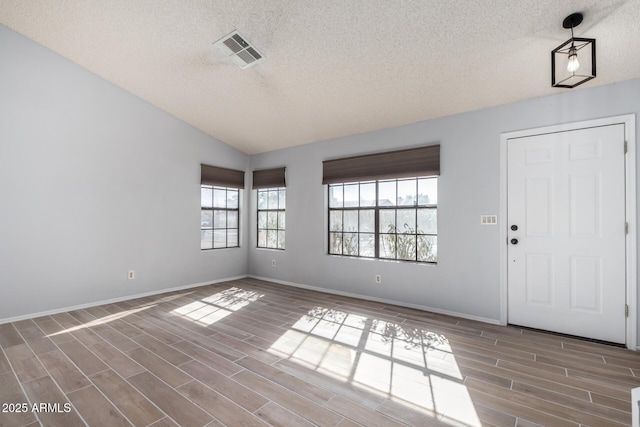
point(574, 61)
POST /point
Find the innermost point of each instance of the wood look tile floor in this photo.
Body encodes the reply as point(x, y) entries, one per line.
point(254, 353)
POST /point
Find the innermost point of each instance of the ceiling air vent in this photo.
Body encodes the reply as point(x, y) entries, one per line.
point(238, 49)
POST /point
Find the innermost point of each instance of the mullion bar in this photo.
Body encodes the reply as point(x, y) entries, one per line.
point(395, 249)
point(342, 226)
point(226, 221)
point(376, 225)
point(358, 223)
point(415, 207)
point(329, 219)
point(214, 212)
point(213, 215)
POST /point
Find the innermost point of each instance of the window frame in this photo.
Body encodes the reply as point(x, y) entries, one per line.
point(268, 210)
point(377, 209)
point(213, 209)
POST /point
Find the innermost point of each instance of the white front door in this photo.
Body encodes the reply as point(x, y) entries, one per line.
point(566, 232)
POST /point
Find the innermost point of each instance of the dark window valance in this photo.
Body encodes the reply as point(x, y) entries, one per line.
point(422, 161)
point(269, 178)
point(223, 177)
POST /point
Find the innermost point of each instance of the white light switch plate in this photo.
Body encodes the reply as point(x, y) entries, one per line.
point(488, 219)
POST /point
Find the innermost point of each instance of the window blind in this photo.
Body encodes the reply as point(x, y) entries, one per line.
point(422, 161)
point(269, 178)
point(214, 175)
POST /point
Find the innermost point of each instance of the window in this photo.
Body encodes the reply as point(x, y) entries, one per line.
point(389, 219)
point(272, 201)
point(220, 215)
point(220, 207)
point(271, 217)
point(384, 205)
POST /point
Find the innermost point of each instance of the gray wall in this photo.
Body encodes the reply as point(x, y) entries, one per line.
point(95, 182)
point(466, 279)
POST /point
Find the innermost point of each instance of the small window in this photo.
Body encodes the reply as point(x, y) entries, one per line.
point(219, 217)
point(271, 217)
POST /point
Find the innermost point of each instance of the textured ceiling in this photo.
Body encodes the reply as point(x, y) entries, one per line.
point(331, 67)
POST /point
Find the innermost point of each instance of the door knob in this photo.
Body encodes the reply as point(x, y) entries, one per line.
point(514, 241)
point(514, 227)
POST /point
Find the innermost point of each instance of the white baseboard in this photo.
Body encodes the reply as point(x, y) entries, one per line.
point(114, 300)
point(382, 300)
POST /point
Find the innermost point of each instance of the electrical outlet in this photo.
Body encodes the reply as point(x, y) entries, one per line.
point(273, 263)
point(131, 275)
point(378, 278)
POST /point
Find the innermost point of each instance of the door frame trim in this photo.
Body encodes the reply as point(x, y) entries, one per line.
point(629, 122)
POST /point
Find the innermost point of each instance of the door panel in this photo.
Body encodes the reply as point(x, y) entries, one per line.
point(566, 195)
point(586, 284)
point(539, 206)
point(539, 279)
point(586, 206)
